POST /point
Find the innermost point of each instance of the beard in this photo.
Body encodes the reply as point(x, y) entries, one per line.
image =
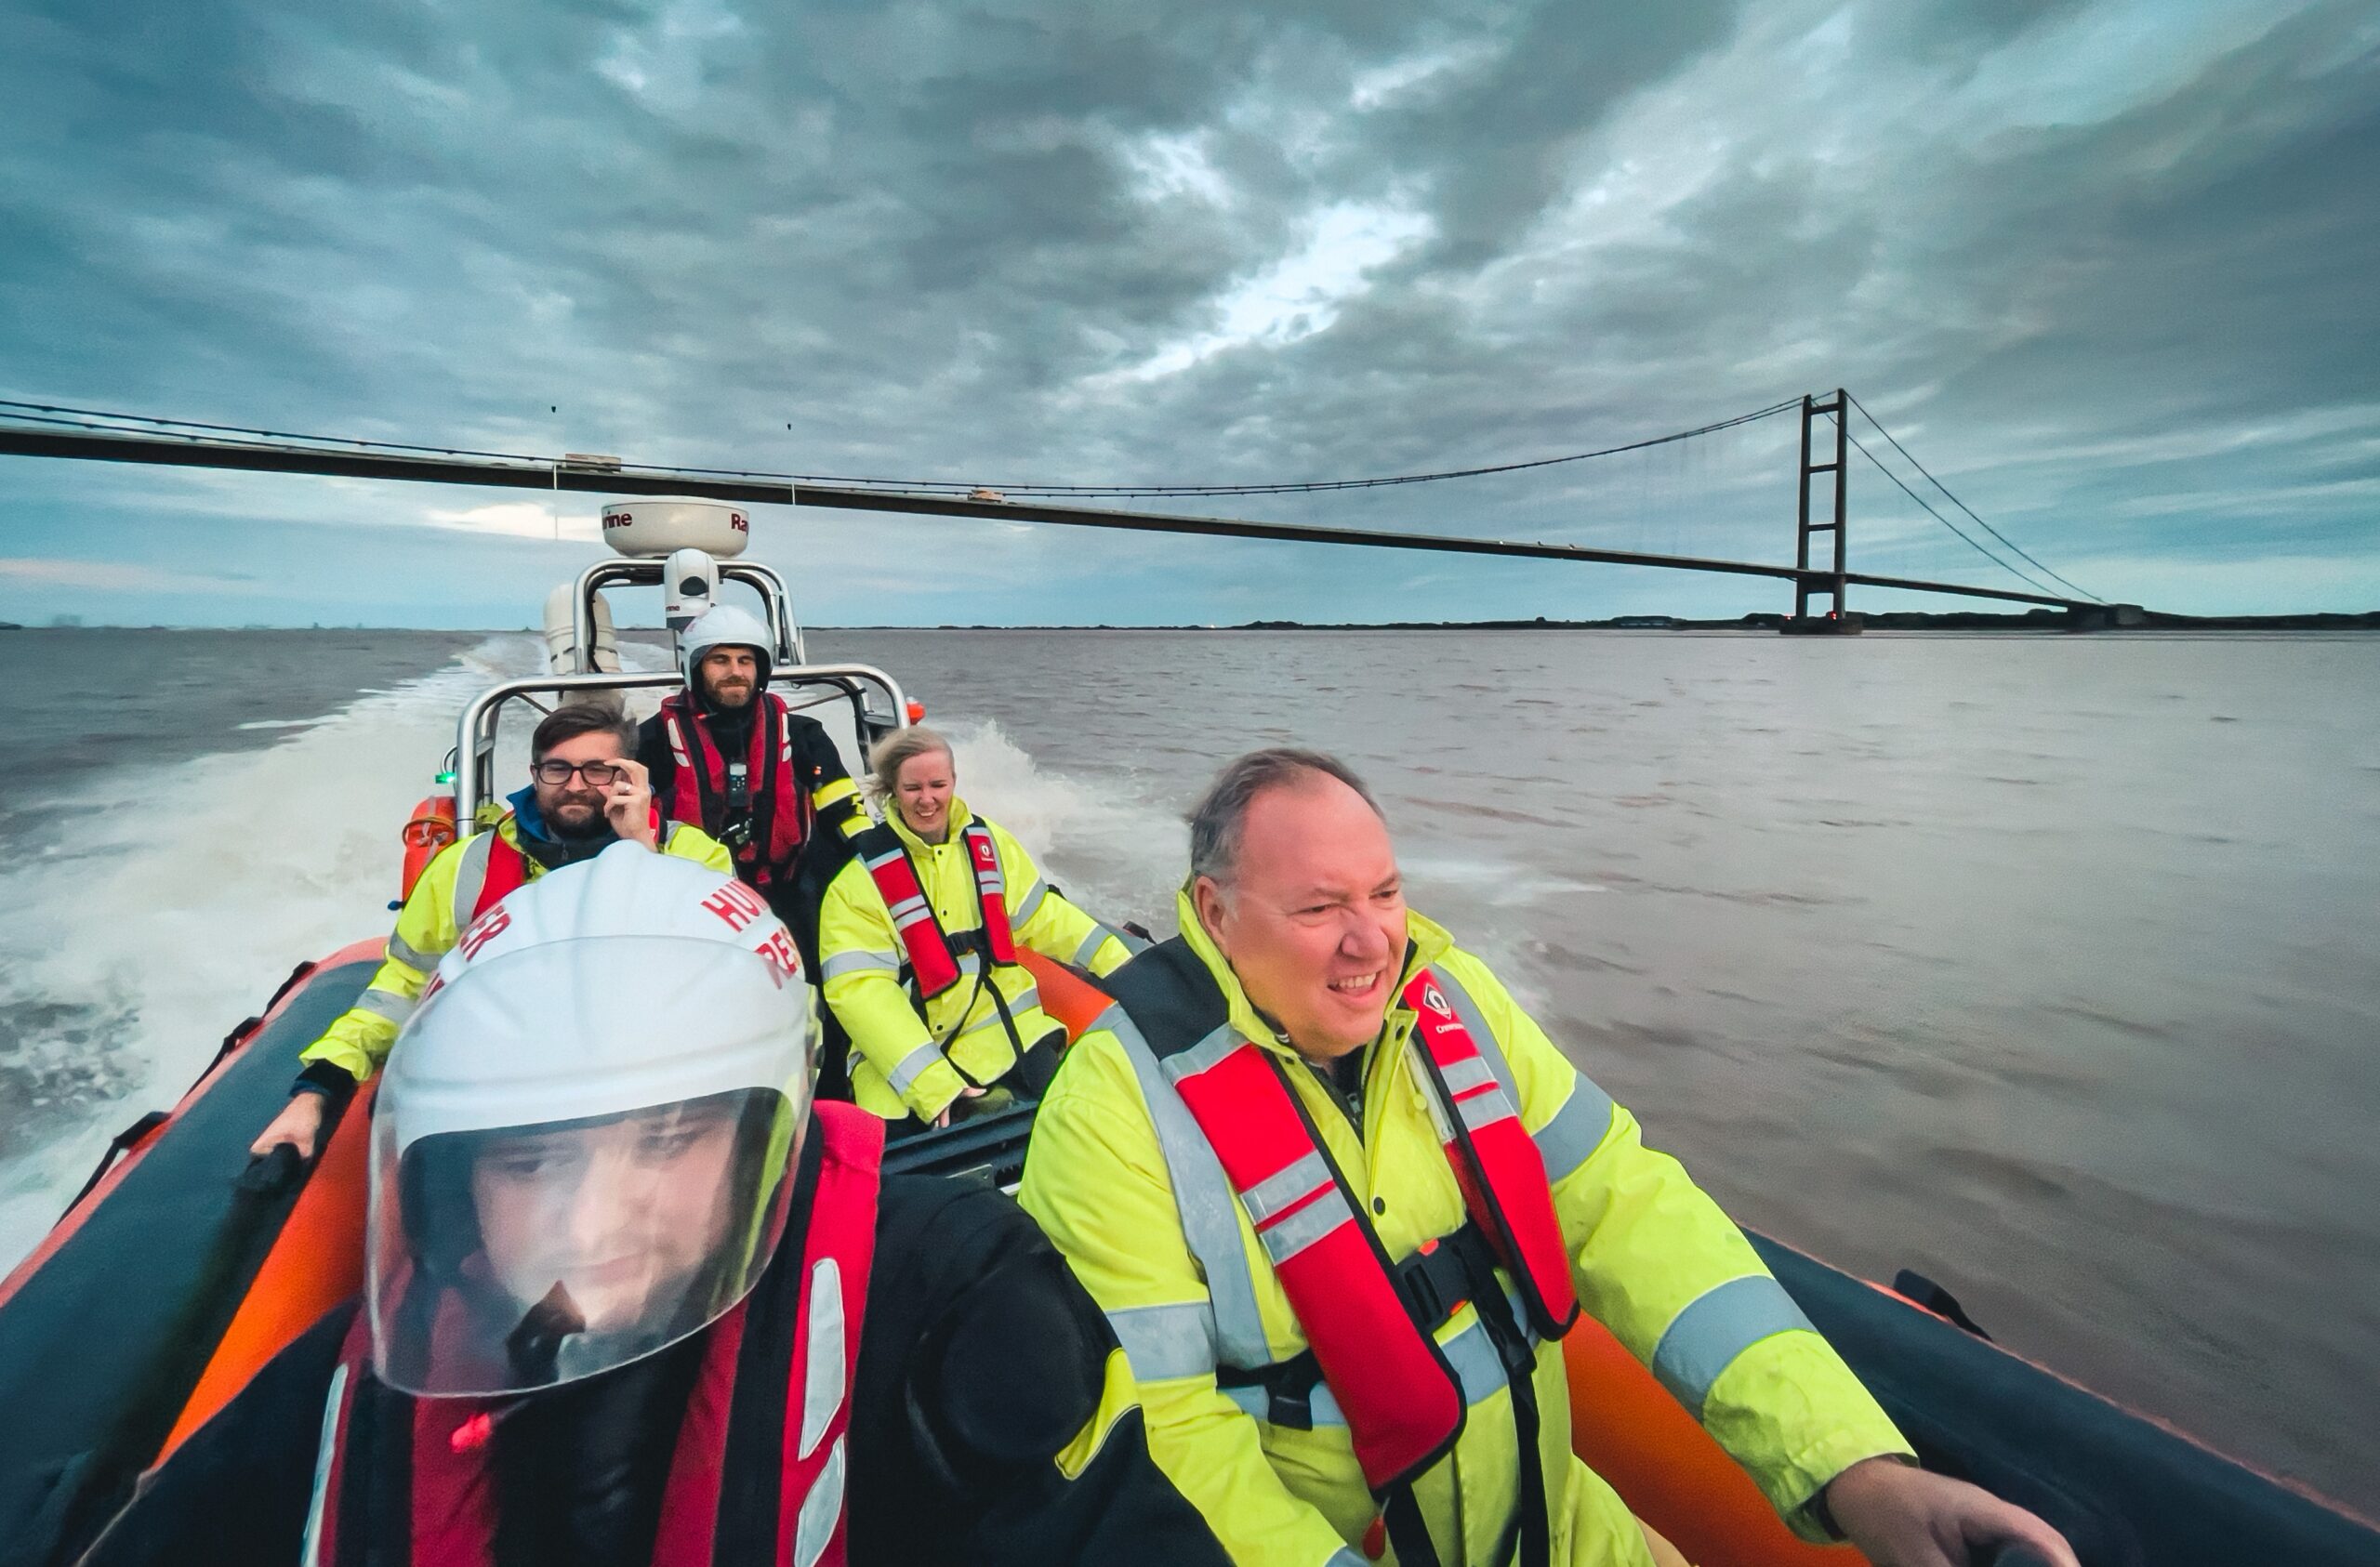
point(731, 693)
point(578, 816)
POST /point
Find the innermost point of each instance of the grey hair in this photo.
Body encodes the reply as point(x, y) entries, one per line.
point(1220, 815)
point(901, 745)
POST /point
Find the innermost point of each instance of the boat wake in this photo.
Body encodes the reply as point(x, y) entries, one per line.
point(179, 898)
point(172, 900)
point(1117, 856)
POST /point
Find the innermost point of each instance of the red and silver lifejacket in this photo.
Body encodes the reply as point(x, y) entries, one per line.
point(810, 1372)
point(933, 965)
point(708, 788)
point(1220, 1098)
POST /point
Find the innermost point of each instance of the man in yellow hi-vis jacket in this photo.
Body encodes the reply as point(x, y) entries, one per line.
point(1302, 1074)
point(585, 793)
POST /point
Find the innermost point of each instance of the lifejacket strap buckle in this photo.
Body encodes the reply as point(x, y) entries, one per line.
point(1437, 1282)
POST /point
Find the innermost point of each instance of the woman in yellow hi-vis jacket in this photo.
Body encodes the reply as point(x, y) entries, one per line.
point(917, 940)
point(1337, 1191)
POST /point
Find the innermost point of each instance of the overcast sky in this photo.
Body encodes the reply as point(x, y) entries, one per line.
point(2105, 266)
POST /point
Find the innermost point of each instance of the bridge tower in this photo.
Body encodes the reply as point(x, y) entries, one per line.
point(1823, 580)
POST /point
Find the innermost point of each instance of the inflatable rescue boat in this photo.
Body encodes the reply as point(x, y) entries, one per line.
point(183, 1267)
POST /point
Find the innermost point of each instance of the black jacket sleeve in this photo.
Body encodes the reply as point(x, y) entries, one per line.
point(238, 1488)
point(660, 766)
point(982, 1360)
point(817, 763)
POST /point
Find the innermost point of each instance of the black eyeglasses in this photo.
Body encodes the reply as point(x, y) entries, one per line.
point(554, 771)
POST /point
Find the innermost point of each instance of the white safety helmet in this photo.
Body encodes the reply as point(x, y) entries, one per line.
point(724, 626)
point(583, 1149)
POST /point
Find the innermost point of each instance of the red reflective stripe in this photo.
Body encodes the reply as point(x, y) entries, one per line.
point(1401, 1399)
point(1500, 1171)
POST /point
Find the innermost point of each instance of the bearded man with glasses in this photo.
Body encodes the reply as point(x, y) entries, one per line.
point(586, 792)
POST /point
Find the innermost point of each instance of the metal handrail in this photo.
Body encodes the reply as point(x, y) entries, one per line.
point(636, 572)
point(475, 733)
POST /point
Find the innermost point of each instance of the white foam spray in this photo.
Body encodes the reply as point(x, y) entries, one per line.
point(1117, 856)
point(173, 902)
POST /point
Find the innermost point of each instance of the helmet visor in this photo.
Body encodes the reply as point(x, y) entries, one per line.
point(508, 1259)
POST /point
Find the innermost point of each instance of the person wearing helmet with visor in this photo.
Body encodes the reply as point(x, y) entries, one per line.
point(631, 1297)
point(729, 756)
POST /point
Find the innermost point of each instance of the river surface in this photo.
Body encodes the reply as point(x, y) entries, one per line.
point(2048, 967)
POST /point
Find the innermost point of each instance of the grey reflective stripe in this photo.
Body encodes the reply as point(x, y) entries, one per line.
point(1485, 1109)
point(821, 1371)
point(1577, 1129)
point(1030, 901)
point(854, 962)
point(1342, 1557)
point(1202, 1197)
point(310, 1548)
point(1164, 1342)
point(1463, 1076)
point(386, 1004)
point(1029, 997)
point(911, 1067)
point(1131, 942)
point(1717, 1326)
point(1202, 1055)
point(1477, 1369)
point(1309, 1224)
point(1278, 1190)
point(1476, 1365)
point(908, 911)
point(411, 955)
point(1091, 945)
point(813, 1527)
point(471, 878)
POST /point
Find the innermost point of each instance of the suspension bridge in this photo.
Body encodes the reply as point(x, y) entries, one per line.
point(1820, 569)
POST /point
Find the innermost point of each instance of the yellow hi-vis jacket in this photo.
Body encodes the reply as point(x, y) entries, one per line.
point(902, 1063)
point(427, 928)
point(1654, 1259)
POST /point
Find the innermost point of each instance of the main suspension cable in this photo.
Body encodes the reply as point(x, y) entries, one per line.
point(176, 426)
point(2020, 576)
point(1962, 506)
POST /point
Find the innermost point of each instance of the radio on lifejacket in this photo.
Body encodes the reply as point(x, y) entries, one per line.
point(736, 824)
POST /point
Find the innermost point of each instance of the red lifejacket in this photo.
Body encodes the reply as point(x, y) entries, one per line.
point(452, 1503)
point(1404, 1404)
point(703, 790)
point(493, 865)
point(932, 963)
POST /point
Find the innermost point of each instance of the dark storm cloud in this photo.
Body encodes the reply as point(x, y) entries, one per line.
point(2074, 250)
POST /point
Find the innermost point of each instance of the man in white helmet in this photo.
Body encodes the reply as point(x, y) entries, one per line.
point(728, 756)
point(631, 1298)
